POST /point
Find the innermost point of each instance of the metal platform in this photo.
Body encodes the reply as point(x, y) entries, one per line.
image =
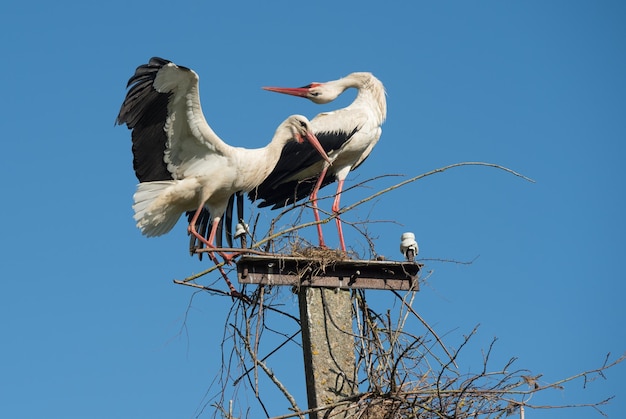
point(311, 272)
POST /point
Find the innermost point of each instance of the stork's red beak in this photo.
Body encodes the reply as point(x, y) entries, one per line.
point(316, 144)
point(293, 91)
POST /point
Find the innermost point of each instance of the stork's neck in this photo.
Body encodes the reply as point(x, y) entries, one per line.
point(256, 164)
point(371, 93)
point(274, 149)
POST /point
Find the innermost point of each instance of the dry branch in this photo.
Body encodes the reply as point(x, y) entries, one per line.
point(402, 373)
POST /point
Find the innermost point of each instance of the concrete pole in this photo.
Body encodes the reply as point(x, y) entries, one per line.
point(328, 346)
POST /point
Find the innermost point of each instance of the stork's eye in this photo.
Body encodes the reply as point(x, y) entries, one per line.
point(303, 124)
point(314, 94)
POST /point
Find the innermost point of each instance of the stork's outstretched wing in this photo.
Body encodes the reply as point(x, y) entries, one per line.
point(170, 133)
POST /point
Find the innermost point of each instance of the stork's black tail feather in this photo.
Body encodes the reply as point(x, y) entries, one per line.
point(228, 219)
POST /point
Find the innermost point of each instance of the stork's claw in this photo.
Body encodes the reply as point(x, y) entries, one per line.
point(241, 296)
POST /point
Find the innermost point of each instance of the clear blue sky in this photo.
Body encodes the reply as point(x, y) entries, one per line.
point(92, 325)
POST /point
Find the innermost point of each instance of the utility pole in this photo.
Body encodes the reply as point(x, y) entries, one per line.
point(327, 346)
point(326, 314)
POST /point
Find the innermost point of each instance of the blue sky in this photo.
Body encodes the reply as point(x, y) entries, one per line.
point(92, 325)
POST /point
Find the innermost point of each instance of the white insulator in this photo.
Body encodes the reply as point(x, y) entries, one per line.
point(241, 229)
point(408, 245)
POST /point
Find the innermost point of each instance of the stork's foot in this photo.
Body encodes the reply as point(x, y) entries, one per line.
point(239, 295)
point(228, 257)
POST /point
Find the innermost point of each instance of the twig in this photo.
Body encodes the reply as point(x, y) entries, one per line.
point(427, 326)
point(432, 172)
point(272, 352)
point(202, 287)
point(341, 211)
point(268, 372)
point(201, 274)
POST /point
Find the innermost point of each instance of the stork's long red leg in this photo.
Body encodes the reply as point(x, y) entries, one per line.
point(316, 213)
point(209, 243)
point(336, 211)
point(228, 257)
point(211, 238)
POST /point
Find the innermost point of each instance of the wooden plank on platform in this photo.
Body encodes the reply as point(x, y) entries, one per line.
point(311, 272)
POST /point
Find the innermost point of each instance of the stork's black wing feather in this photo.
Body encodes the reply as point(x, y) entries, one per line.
point(144, 111)
point(280, 189)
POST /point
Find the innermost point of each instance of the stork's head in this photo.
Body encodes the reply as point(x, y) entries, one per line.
point(301, 130)
point(319, 93)
point(328, 91)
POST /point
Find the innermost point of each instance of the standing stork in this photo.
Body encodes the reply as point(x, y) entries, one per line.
point(347, 135)
point(181, 163)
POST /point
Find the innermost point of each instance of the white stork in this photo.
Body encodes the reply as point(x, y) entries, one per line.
point(181, 163)
point(347, 135)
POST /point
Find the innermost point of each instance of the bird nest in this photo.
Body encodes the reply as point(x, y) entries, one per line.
point(316, 261)
point(324, 256)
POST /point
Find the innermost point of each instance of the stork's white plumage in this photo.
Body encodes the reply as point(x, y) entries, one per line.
point(347, 135)
point(182, 165)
